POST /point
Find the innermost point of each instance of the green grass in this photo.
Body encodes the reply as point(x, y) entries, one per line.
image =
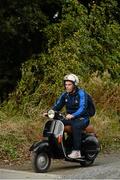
point(18, 133)
point(107, 127)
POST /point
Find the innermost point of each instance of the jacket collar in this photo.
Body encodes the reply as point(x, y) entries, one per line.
point(74, 93)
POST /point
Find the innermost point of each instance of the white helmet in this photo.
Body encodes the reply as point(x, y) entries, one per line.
point(73, 78)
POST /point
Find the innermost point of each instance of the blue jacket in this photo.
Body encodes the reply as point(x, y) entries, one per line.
point(76, 104)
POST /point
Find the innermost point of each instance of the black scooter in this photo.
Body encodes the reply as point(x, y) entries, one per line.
point(57, 144)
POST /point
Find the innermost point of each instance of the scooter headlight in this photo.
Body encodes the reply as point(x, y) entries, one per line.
point(51, 114)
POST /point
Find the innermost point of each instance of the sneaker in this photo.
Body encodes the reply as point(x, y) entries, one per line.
point(75, 154)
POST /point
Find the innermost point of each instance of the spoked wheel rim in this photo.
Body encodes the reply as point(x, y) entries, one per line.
point(42, 161)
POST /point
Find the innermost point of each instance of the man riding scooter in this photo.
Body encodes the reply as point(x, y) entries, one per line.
point(75, 101)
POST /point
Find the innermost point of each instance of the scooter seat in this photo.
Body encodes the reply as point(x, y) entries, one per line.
point(88, 129)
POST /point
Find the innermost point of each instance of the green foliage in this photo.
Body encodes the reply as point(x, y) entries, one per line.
point(107, 35)
point(81, 44)
point(92, 41)
point(7, 148)
point(21, 36)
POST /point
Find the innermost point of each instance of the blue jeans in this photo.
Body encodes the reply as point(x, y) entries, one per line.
point(77, 126)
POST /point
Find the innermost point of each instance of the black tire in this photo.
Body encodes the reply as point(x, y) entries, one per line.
point(86, 163)
point(89, 159)
point(41, 162)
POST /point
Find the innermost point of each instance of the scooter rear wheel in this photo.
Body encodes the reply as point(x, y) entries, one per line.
point(41, 162)
point(86, 163)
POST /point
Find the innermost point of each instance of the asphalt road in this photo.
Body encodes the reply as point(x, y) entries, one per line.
point(105, 167)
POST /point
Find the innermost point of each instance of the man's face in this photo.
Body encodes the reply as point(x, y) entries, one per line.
point(69, 87)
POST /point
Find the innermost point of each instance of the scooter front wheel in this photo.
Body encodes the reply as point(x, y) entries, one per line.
point(41, 162)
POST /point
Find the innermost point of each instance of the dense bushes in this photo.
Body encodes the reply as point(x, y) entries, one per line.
point(21, 36)
point(80, 44)
point(77, 40)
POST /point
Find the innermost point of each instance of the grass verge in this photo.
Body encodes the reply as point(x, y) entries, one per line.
point(18, 133)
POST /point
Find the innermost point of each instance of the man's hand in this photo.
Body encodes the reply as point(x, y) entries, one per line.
point(45, 114)
point(69, 116)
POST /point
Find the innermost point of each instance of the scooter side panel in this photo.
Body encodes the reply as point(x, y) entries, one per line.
point(91, 143)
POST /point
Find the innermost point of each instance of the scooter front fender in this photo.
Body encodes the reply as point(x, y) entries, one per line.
point(39, 146)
